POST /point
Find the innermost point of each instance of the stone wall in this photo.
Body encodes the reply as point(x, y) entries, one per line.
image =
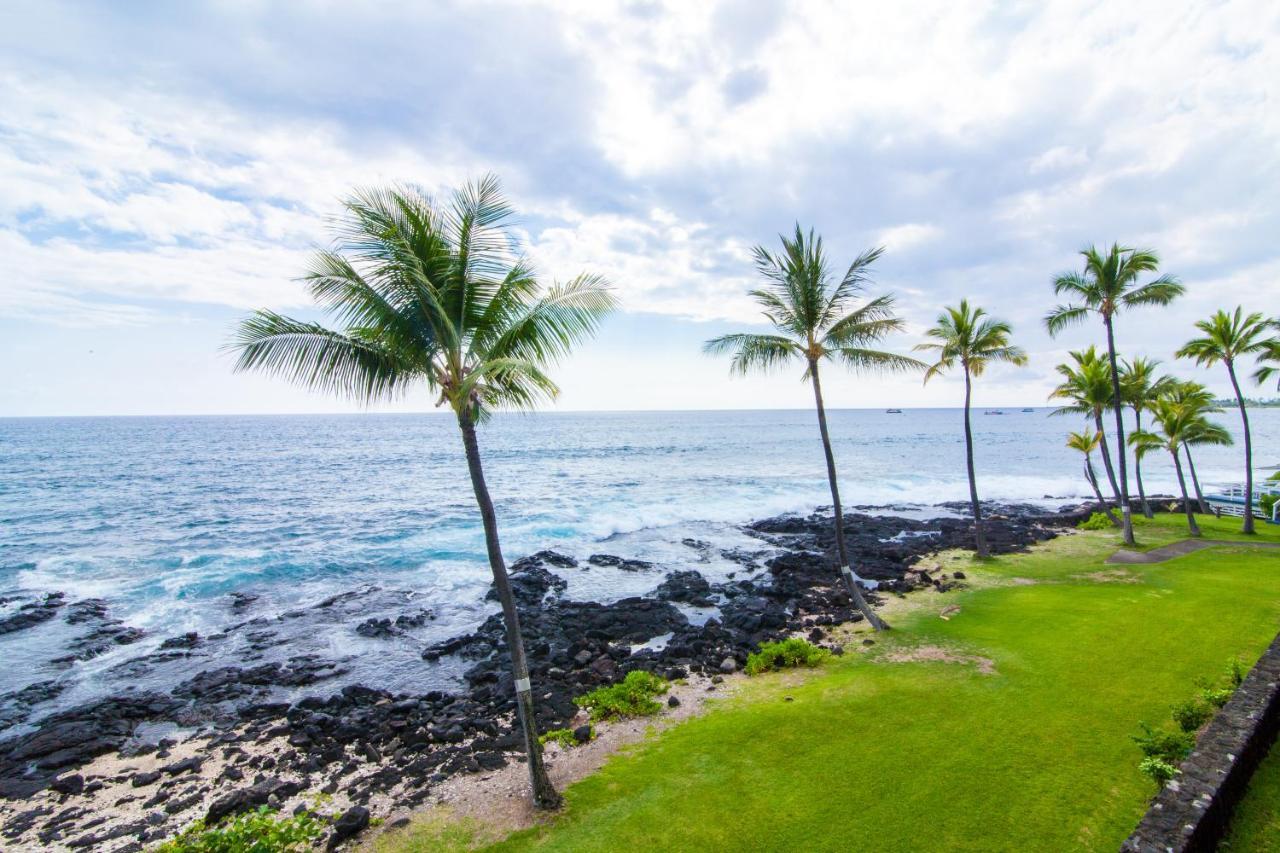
point(1192, 813)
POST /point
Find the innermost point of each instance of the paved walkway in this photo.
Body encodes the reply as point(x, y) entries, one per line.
point(1178, 549)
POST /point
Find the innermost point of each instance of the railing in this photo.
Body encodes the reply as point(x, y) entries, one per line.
point(1229, 500)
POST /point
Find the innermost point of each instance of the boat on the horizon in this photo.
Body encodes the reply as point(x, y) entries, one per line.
point(1028, 410)
point(893, 411)
point(993, 412)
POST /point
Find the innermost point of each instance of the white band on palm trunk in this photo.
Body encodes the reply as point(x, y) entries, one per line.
point(522, 685)
point(847, 572)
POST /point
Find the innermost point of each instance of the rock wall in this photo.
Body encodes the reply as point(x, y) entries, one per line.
point(1193, 812)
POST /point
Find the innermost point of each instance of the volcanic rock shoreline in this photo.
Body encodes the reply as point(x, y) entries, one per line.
point(372, 748)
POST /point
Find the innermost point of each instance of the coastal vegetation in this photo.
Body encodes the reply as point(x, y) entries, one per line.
point(966, 335)
point(436, 295)
point(1087, 391)
point(1141, 386)
point(818, 317)
point(1176, 422)
point(1086, 442)
point(1227, 338)
point(785, 654)
point(950, 715)
point(633, 696)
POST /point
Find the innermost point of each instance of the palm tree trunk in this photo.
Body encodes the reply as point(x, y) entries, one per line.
point(841, 548)
point(1120, 448)
point(1248, 452)
point(1093, 481)
point(1186, 502)
point(544, 793)
point(979, 534)
point(1137, 467)
point(1195, 480)
point(1106, 455)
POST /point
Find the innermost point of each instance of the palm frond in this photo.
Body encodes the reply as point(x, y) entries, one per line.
point(754, 352)
point(1062, 316)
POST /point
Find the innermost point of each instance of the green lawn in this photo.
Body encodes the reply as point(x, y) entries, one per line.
point(1255, 828)
point(913, 755)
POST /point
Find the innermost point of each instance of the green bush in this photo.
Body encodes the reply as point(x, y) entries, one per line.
point(564, 737)
point(631, 697)
point(253, 832)
point(1169, 746)
point(1217, 696)
point(1192, 714)
point(1236, 671)
point(784, 654)
point(1159, 770)
point(1097, 521)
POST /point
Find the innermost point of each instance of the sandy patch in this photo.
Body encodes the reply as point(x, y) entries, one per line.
point(940, 654)
point(1110, 576)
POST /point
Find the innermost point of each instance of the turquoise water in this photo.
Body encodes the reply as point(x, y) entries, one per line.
point(163, 517)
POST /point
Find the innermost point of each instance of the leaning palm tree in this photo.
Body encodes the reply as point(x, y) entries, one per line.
point(1173, 420)
point(1106, 286)
point(968, 336)
point(817, 318)
point(1196, 398)
point(434, 295)
point(1140, 387)
point(1086, 389)
point(1202, 432)
point(1228, 338)
point(1086, 442)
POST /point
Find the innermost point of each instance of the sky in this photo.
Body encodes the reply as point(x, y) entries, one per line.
point(167, 167)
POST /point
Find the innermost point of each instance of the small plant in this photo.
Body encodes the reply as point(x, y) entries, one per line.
point(785, 654)
point(1236, 672)
point(1160, 771)
point(631, 697)
point(1169, 746)
point(1097, 521)
point(1192, 714)
point(1217, 696)
point(253, 832)
point(564, 737)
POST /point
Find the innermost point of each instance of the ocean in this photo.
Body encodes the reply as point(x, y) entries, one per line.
point(163, 518)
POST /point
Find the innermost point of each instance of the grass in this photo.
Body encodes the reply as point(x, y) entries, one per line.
point(1255, 827)
point(911, 745)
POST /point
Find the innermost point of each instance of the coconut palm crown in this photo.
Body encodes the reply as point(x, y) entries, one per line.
point(1140, 386)
point(817, 317)
point(1227, 338)
point(1086, 442)
point(436, 296)
point(967, 336)
point(1086, 390)
point(1107, 286)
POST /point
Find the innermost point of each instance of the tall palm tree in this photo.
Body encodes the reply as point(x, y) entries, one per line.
point(1087, 390)
point(434, 295)
point(1107, 285)
point(968, 336)
point(1228, 338)
point(1140, 387)
point(1173, 420)
point(1196, 398)
point(818, 317)
point(1086, 442)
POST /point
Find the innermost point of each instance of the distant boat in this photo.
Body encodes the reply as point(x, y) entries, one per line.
point(993, 412)
point(893, 411)
point(1028, 410)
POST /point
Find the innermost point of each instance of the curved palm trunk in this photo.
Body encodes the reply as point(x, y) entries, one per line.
point(1248, 452)
point(1186, 502)
point(1195, 480)
point(1137, 467)
point(544, 793)
point(1106, 454)
point(1093, 481)
point(1125, 509)
point(841, 548)
point(979, 534)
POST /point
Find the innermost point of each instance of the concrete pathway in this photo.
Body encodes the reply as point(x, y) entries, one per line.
point(1178, 549)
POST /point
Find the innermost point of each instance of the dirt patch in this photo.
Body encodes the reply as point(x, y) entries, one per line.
point(1111, 576)
point(940, 654)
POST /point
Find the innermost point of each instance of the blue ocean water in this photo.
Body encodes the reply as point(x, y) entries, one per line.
point(163, 518)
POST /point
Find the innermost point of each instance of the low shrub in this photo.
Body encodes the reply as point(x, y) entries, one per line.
point(1169, 746)
point(1236, 671)
point(630, 697)
point(1160, 771)
point(785, 654)
point(564, 737)
point(1097, 521)
point(1217, 696)
point(258, 831)
point(1192, 714)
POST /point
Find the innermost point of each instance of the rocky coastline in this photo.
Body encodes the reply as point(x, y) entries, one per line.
point(115, 775)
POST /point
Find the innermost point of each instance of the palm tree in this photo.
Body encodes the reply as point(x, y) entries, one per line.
point(433, 294)
point(818, 318)
point(1197, 398)
point(1228, 338)
point(1106, 286)
point(1140, 387)
point(1173, 420)
point(1269, 361)
point(1087, 389)
point(1086, 442)
point(967, 335)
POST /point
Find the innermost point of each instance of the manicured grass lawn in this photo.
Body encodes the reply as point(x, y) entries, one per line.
point(911, 755)
point(1255, 827)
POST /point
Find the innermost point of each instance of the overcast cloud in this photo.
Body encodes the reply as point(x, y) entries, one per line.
point(164, 167)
